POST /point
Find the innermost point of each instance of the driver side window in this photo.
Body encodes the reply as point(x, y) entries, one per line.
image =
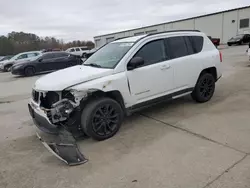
point(23, 56)
point(152, 52)
point(48, 56)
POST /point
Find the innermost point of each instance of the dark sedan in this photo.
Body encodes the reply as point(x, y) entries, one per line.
point(239, 39)
point(47, 62)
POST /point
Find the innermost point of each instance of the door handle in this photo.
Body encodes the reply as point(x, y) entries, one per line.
point(164, 67)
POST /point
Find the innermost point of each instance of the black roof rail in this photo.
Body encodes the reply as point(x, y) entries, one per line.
point(172, 31)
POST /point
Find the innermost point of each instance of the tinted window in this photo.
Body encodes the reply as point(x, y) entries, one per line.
point(190, 47)
point(244, 23)
point(32, 55)
point(84, 49)
point(48, 56)
point(72, 50)
point(177, 46)
point(57, 55)
point(197, 42)
point(77, 49)
point(23, 56)
point(152, 52)
point(247, 37)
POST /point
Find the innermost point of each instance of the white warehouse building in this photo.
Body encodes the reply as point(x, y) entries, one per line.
point(223, 25)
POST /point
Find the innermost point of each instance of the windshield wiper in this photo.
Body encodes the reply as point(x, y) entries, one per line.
point(93, 65)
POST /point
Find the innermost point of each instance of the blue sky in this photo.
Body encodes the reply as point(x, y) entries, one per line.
point(82, 19)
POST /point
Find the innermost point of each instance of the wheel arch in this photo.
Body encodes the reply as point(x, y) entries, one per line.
point(210, 70)
point(114, 94)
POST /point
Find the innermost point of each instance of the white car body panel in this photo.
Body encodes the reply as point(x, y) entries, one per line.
point(142, 84)
point(58, 81)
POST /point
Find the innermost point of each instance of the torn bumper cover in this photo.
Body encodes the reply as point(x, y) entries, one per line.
point(63, 146)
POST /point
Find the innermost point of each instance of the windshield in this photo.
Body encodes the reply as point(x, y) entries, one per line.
point(238, 37)
point(6, 58)
point(109, 55)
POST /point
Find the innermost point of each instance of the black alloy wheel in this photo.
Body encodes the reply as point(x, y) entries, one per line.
point(29, 71)
point(101, 118)
point(105, 120)
point(7, 68)
point(204, 88)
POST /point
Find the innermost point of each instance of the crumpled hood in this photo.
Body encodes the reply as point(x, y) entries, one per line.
point(59, 80)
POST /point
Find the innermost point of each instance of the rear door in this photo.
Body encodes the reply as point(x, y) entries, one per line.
point(46, 62)
point(61, 60)
point(78, 51)
point(185, 62)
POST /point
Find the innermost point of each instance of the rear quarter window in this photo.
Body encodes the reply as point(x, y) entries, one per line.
point(197, 42)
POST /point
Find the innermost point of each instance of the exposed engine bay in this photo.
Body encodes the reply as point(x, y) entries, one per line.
point(58, 106)
point(62, 110)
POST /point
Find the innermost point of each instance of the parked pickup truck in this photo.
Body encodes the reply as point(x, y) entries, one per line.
point(216, 41)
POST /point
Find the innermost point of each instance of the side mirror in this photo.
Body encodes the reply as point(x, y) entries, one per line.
point(135, 62)
point(40, 60)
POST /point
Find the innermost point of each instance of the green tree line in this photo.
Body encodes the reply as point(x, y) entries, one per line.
point(16, 42)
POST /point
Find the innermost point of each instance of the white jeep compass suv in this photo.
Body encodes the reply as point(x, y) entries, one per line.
point(122, 77)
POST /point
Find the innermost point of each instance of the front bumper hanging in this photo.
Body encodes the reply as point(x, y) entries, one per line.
point(63, 145)
point(65, 149)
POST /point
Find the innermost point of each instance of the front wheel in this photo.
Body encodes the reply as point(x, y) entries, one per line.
point(204, 88)
point(102, 118)
point(29, 71)
point(7, 68)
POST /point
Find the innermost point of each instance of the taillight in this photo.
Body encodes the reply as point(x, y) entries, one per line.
point(220, 56)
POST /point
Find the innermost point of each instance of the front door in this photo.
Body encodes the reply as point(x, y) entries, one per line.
point(61, 61)
point(246, 38)
point(46, 63)
point(155, 77)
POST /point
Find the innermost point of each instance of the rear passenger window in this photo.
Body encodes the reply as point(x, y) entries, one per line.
point(177, 46)
point(77, 49)
point(152, 52)
point(197, 42)
point(189, 44)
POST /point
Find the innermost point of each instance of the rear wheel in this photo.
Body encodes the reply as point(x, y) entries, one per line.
point(101, 118)
point(29, 71)
point(7, 68)
point(204, 88)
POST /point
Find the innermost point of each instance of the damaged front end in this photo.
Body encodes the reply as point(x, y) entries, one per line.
point(59, 113)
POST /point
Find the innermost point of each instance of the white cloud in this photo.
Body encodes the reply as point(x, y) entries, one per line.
point(82, 19)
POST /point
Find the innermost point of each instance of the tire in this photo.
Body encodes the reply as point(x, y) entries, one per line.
point(102, 118)
point(7, 68)
point(83, 55)
point(204, 88)
point(29, 71)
